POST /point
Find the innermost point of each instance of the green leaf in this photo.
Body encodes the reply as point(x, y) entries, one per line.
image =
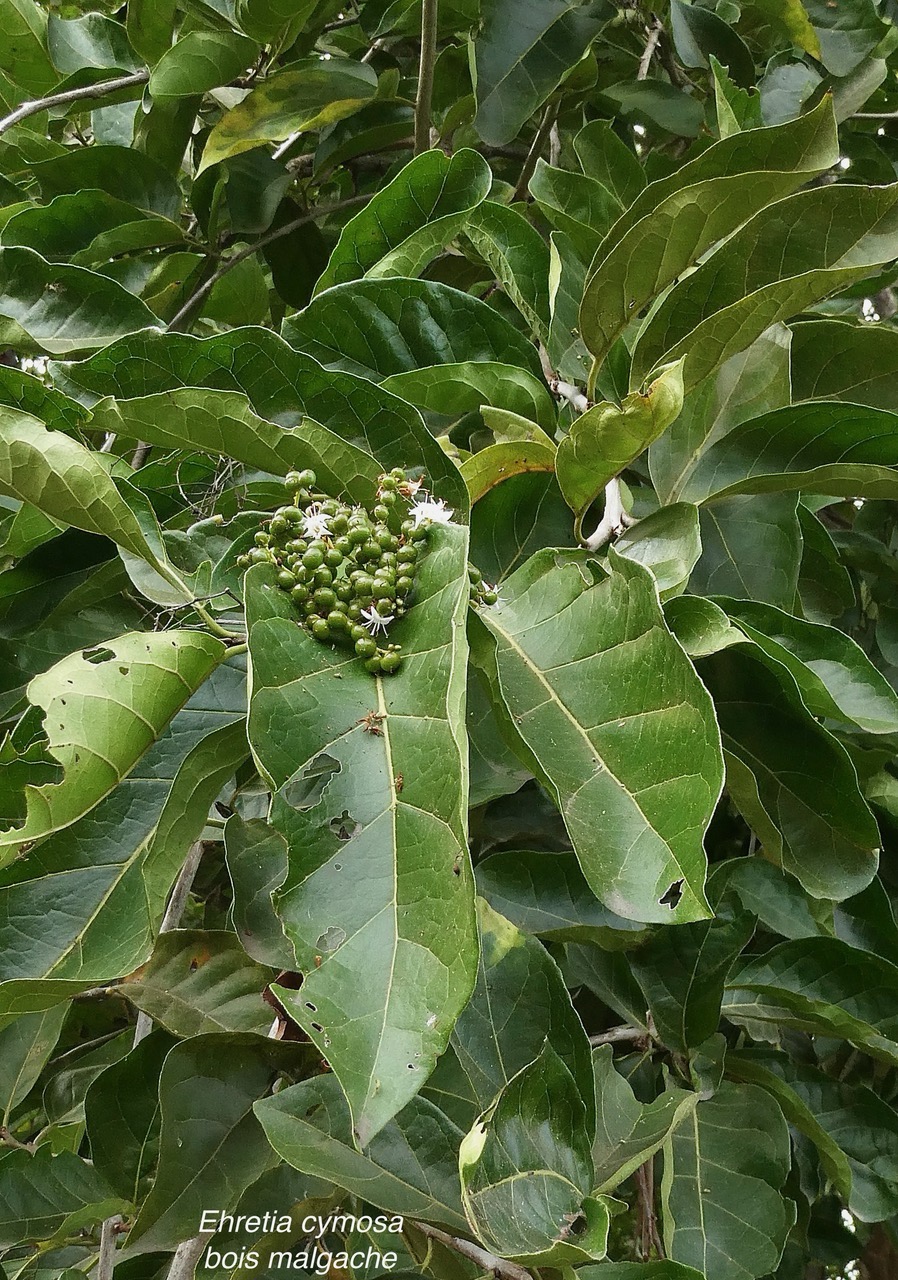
point(835, 677)
point(521, 52)
point(353, 902)
point(516, 518)
point(149, 24)
point(47, 307)
point(791, 779)
point(546, 894)
point(847, 35)
point(43, 1195)
point(410, 1167)
point(119, 171)
point(677, 219)
point(300, 99)
point(737, 109)
point(567, 275)
point(517, 255)
point(639, 1271)
point(699, 34)
point(854, 1130)
point(750, 383)
point(555, 654)
point(723, 1178)
point(607, 437)
point(668, 543)
point(526, 1166)
point(221, 422)
point(266, 20)
point(122, 1113)
point(823, 986)
point(456, 389)
point(604, 157)
point(498, 462)
point(201, 981)
point(379, 327)
point(682, 973)
point(90, 41)
point(23, 51)
point(281, 384)
point(411, 219)
point(106, 878)
point(576, 205)
point(102, 710)
point(700, 626)
point(629, 1132)
point(519, 1003)
point(751, 547)
point(770, 893)
point(257, 863)
point(25, 1046)
point(212, 1146)
point(847, 231)
point(803, 447)
point(834, 360)
point(656, 104)
point(199, 61)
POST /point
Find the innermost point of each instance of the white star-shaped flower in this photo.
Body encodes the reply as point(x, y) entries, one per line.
point(498, 600)
point(315, 524)
point(432, 509)
point(374, 621)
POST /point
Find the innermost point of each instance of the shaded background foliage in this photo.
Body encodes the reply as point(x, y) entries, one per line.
point(574, 942)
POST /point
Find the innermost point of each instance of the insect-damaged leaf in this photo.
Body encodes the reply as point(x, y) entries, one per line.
point(613, 718)
point(371, 781)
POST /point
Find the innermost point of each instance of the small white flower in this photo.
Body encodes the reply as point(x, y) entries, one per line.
point(498, 602)
point(410, 487)
point(315, 524)
point(374, 621)
point(432, 509)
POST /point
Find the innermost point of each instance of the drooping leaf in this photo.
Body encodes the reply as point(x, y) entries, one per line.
point(516, 518)
point(847, 35)
point(516, 254)
point(521, 52)
point(378, 327)
point(266, 20)
point(629, 1132)
point(42, 1195)
point(549, 652)
point(351, 902)
point(25, 1046)
point(200, 981)
point(668, 543)
point(306, 96)
point(409, 220)
point(723, 1179)
point(608, 160)
point(257, 864)
point(410, 1167)
point(793, 781)
point(102, 710)
point(499, 462)
point(575, 204)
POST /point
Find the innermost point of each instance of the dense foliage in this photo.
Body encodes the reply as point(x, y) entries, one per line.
point(449, 631)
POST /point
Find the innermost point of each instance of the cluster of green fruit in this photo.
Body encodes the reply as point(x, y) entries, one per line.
point(349, 572)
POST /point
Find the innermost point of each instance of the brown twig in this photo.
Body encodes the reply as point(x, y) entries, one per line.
point(84, 94)
point(651, 44)
point(649, 1238)
point(536, 148)
point(501, 1268)
point(620, 1035)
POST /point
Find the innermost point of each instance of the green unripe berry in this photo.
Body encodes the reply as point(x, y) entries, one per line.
point(259, 555)
point(320, 629)
point(333, 558)
point(292, 480)
point(323, 576)
point(343, 590)
point(388, 497)
point(373, 665)
point(286, 579)
point(390, 662)
point(277, 526)
point(358, 534)
point(420, 534)
point(243, 562)
point(307, 478)
point(371, 550)
point(384, 607)
point(489, 597)
point(324, 599)
point(358, 632)
point(404, 585)
point(407, 555)
point(381, 512)
point(339, 524)
point(366, 647)
point(313, 558)
point(354, 612)
point(474, 574)
point(261, 539)
point(300, 593)
point(292, 515)
point(362, 586)
point(343, 545)
point(337, 621)
point(382, 590)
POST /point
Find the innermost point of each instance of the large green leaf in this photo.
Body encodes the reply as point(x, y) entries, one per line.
point(281, 384)
point(516, 254)
point(513, 519)
point(222, 422)
point(576, 205)
point(266, 20)
point(518, 1004)
point(678, 218)
point(389, 912)
point(835, 677)
point(408, 221)
point(25, 1046)
point(835, 360)
point(751, 548)
point(127, 174)
point(71, 223)
point(823, 986)
point(526, 1166)
point(629, 1132)
point(605, 700)
point(23, 55)
point(102, 709)
point(200, 60)
point(49, 308)
point(212, 1146)
point(42, 1195)
point(105, 879)
point(855, 1131)
point(824, 447)
point(791, 779)
point(724, 1211)
point(199, 981)
point(667, 542)
point(847, 35)
point(607, 437)
point(456, 389)
point(306, 96)
point(522, 50)
point(257, 864)
point(837, 235)
point(378, 327)
point(410, 1167)
point(546, 894)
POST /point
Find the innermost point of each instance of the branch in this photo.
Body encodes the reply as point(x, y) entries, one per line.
point(619, 1035)
point(187, 1255)
point(572, 394)
point(613, 522)
point(425, 74)
point(501, 1268)
point(172, 918)
point(543, 132)
point(71, 95)
point(106, 1259)
point(262, 243)
point(654, 35)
